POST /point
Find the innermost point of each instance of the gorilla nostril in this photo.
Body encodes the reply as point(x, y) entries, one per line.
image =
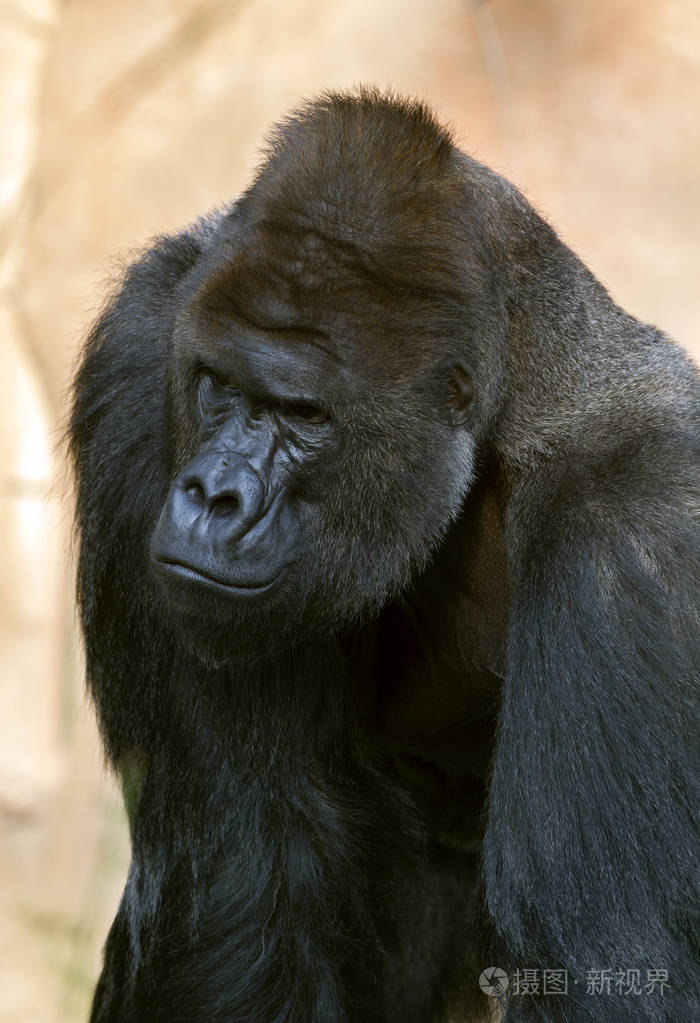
point(227, 505)
point(195, 492)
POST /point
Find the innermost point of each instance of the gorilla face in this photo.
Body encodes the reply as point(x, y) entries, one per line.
point(311, 479)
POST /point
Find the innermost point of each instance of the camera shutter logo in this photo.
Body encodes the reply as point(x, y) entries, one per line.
point(493, 981)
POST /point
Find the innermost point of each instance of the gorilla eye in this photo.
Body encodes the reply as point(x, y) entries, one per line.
point(214, 392)
point(308, 412)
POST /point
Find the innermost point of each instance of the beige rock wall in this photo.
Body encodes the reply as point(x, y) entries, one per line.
point(121, 119)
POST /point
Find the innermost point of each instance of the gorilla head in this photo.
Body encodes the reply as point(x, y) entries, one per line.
point(322, 379)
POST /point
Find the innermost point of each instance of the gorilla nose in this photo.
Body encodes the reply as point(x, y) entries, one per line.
point(220, 490)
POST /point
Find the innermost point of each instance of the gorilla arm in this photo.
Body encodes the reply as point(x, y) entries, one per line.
point(590, 808)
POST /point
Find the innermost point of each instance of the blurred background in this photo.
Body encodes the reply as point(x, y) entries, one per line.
point(124, 118)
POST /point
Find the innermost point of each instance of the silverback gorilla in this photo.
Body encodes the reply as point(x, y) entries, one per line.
point(387, 558)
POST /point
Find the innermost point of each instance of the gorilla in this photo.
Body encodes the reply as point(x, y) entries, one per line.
point(387, 526)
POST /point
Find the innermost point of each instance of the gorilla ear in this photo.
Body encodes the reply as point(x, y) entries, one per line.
point(460, 395)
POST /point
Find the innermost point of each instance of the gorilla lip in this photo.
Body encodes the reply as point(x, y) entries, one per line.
point(187, 574)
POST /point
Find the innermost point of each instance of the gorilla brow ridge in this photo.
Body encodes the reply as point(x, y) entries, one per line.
point(358, 258)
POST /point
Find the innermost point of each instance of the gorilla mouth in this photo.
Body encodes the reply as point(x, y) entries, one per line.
point(179, 572)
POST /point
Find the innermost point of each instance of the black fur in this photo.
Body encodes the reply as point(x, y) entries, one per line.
point(457, 730)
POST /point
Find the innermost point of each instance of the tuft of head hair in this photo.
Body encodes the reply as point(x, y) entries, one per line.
point(357, 158)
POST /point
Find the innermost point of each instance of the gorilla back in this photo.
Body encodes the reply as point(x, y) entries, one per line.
point(387, 542)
